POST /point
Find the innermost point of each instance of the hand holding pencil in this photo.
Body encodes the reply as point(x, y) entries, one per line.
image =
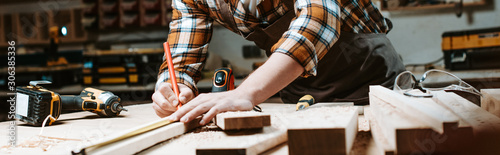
point(169, 96)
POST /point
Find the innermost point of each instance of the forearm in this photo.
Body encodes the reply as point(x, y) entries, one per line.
point(275, 74)
point(190, 32)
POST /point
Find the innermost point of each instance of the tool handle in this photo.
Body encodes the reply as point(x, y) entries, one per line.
point(305, 101)
point(71, 102)
point(171, 71)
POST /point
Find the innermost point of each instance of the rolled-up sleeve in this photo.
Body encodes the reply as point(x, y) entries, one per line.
point(190, 32)
point(312, 32)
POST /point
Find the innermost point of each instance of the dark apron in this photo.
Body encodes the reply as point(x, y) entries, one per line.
point(344, 74)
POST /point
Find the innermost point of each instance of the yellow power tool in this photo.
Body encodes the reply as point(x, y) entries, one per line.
point(35, 103)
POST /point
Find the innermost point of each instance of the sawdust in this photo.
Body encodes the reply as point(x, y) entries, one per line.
point(209, 127)
point(320, 117)
point(39, 141)
point(361, 143)
point(42, 142)
point(363, 123)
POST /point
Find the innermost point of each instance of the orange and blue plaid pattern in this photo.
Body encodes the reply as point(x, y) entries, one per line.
point(314, 30)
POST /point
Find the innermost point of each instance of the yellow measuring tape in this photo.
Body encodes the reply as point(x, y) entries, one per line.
point(133, 132)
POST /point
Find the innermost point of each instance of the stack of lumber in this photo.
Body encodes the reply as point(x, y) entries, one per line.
point(325, 130)
point(443, 124)
point(491, 101)
point(319, 129)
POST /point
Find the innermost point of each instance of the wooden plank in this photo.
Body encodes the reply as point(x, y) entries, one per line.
point(407, 135)
point(425, 109)
point(242, 120)
point(212, 140)
point(326, 130)
point(145, 140)
point(485, 126)
point(385, 122)
point(381, 141)
point(491, 101)
point(245, 142)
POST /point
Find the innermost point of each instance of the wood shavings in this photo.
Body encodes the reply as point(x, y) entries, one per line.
point(43, 142)
point(363, 123)
point(209, 127)
point(45, 121)
point(39, 141)
point(361, 143)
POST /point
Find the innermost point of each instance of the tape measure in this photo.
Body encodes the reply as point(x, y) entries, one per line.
point(223, 80)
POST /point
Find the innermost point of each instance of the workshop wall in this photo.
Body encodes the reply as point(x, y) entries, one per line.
point(229, 46)
point(417, 34)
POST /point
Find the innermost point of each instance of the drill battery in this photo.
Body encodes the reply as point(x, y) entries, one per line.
point(34, 104)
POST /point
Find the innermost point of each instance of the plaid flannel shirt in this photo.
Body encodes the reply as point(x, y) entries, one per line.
point(311, 34)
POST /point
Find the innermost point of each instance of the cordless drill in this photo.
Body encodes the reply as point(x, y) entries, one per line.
point(34, 103)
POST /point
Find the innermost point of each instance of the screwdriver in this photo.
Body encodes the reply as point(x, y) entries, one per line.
point(304, 102)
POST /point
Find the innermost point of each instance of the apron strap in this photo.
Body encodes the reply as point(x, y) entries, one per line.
point(266, 37)
point(227, 15)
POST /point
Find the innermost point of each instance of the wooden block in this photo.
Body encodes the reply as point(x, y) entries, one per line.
point(327, 130)
point(485, 126)
point(248, 142)
point(397, 132)
point(491, 101)
point(424, 109)
point(242, 120)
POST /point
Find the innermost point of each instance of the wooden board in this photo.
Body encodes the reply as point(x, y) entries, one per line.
point(396, 131)
point(325, 130)
point(245, 142)
point(242, 120)
point(380, 140)
point(146, 140)
point(485, 126)
point(75, 130)
point(425, 109)
point(491, 101)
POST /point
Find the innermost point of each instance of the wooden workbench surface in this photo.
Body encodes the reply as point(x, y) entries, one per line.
point(75, 129)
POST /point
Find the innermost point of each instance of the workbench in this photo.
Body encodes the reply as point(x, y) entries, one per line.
point(75, 129)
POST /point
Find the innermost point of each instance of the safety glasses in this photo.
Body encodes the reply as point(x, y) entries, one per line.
point(432, 80)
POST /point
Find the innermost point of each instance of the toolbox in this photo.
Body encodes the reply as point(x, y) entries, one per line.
point(472, 49)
